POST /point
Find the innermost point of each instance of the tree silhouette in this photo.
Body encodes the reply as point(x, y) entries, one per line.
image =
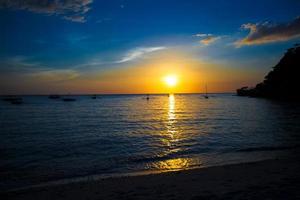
point(283, 82)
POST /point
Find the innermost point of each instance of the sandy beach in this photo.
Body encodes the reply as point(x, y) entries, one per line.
point(270, 179)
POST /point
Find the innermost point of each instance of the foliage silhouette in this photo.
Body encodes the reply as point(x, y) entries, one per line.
point(283, 82)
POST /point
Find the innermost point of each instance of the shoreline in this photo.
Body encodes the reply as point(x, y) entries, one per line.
point(268, 179)
point(100, 177)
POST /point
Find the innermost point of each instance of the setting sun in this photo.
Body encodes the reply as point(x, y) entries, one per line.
point(171, 80)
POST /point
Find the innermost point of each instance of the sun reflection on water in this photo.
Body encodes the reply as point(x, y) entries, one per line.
point(172, 138)
point(173, 164)
point(171, 124)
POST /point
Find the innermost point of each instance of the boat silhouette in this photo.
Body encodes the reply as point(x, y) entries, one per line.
point(53, 96)
point(68, 99)
point(13, 99)
point(17, 101)
point(206, 96)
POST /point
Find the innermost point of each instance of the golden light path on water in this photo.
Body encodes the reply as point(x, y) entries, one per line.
point(172, 138)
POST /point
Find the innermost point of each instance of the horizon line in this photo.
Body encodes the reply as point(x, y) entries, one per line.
point(87, 94)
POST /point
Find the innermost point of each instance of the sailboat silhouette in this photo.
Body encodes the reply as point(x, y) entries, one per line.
point(206, 96)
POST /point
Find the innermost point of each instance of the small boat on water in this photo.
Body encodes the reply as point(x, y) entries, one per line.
point(206, 96)
point(13, 99)
point(94, 96)
point(68, 99)
point(54, 96)
point(147, 97)
point(17, 101)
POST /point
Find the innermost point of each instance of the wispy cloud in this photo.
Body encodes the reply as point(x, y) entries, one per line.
point(262, 33)
point(138, 53)
point(24, 66)
point(69, 10)
point(31, 69)
point(77, 18)
point(202, 35)
point(55, 75)
point(207, 38)
point(17, 64)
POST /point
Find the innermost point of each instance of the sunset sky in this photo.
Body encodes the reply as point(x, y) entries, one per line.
point(131, 46)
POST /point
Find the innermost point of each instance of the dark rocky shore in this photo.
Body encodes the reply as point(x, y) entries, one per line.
point(283, 82)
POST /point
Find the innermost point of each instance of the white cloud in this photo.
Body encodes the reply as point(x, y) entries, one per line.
point(138, 53)
point(202, 35)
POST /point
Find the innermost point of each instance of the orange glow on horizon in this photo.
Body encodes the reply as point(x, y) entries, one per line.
point(150, 78)
point(166, 72)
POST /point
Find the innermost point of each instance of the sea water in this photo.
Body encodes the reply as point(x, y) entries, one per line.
point(46, 140)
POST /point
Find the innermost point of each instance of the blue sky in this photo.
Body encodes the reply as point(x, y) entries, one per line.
point(87, 36)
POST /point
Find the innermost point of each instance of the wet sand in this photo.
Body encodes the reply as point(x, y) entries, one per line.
point(270, 179)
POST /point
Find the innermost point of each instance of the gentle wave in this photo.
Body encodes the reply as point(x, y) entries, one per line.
point(46, 140)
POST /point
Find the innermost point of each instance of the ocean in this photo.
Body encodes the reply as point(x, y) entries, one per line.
point(49, 141)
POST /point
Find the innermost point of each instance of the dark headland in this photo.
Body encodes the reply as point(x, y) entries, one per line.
point(282, 82)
